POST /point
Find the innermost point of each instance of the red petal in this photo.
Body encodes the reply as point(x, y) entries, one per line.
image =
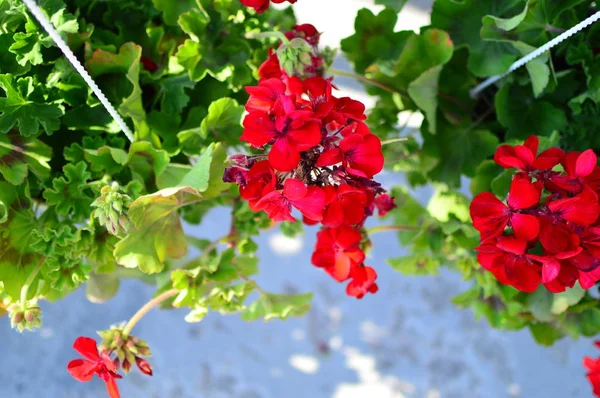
point(512, 245)
point(523, 193)
point(505, 156)
point(532, 144)
point(334, 215)
point(294, 189)
point(524, 154)
point(330, 157)
point(585, 163)
point(581, 209)
point(81, 370)
point(490, 216)
point(87, 347)
point(347, 237)
point(305, 137)
point(525, 226)
point(111, 387)
point(283, 156)
point(550, 270)
point(548, 159)
point(312, 204)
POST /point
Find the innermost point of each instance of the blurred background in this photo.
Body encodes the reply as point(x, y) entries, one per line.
point(407, 341)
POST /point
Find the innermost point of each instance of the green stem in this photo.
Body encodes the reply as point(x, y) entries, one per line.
point(30, 279)
point(268, 35)
point(147, 307)
point(391, 141)
point(355, 76)
point(383, 228)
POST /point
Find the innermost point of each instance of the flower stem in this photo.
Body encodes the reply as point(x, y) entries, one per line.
point(343, 73)
point(391, 141)
point(30, 279)
point(147, 307)
point(383, 228)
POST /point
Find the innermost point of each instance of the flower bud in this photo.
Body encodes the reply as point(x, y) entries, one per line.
point(295, 56)
point(144, 366)
point(111, 209)
point(25, 315)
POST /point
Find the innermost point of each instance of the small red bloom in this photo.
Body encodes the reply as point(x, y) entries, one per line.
point(506, 258)
point(337, 251)
point(523, 157)
point(593, 374)
point(305, 31)
point(99, 364)
point(264, 96)
point(360, 155)
point(384, 204)
point(579, 166)
point(260, 181)
point(581, 209)
point(363, 282)
point(310, 201)
point(490, 216)
point(345, 205)
point(262, 5)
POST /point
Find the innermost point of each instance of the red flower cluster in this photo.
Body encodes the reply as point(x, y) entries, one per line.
point(321, 161)
point(593, 374)
point(548, 231)
point(261, 5)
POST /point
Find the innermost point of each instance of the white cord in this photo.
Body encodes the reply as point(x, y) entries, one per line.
point(39, 15)
point(536, 53)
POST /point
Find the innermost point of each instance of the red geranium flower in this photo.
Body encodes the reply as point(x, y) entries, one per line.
point(385, 203)
point(264, 96)
point(579, 166)
point(291, 131)
point(305, 31)
point(345, 205)
point(310, 201)
point(506, 258)
point(361, 155)
point(363, 282)
point(99, 364)
point(490, 216)
point(260, 181)
point(593, 374)
point(523, 157)
point(581, 209)
point(337, 251)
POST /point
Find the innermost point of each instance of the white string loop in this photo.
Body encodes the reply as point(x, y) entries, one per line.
point(60, 43)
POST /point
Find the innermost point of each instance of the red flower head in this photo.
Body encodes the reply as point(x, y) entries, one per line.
point(290, 131)
point(582, 209)
point(310, 201)
point(490, 216)
point(523, 157)
point(593, 374)
point(360, 155)
point(260, 181)
point(363, 282)
point(305, 31)
point(99, 364)
point(337, 251)
point(270, 68)
point(385, 203)
point(505, 257)
point(345, 205)
point(579, 167)
point(263, 97)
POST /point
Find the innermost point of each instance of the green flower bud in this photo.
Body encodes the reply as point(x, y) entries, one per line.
point(25, 315)
point(111, 210)
point(295, 56)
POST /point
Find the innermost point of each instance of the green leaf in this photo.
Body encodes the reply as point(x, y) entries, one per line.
point(408, 212)
point(173, 96)
point(540, 304)
point(159, 233)
point(500, 185)
point(523, 117)
point(223, 122)
point(126, 61)
point(562, 301)
point(545, 334)
point(415, 264)
point(27, 48)
point(271, 306)
point(24, 107)
point(171, 9)
point(446, 203)
point(486, 172)
point(459, 149)
point(491, 22)
point(101, 287)
point(194, 23)
point(395, 5)
point(206, 175)
point(19, 155)
point(424, 91)
point(146, 161)
point(189, 55)
point(71, 194)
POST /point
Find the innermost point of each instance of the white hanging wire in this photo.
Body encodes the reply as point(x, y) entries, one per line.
point(536, 53)
point(47, 25)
